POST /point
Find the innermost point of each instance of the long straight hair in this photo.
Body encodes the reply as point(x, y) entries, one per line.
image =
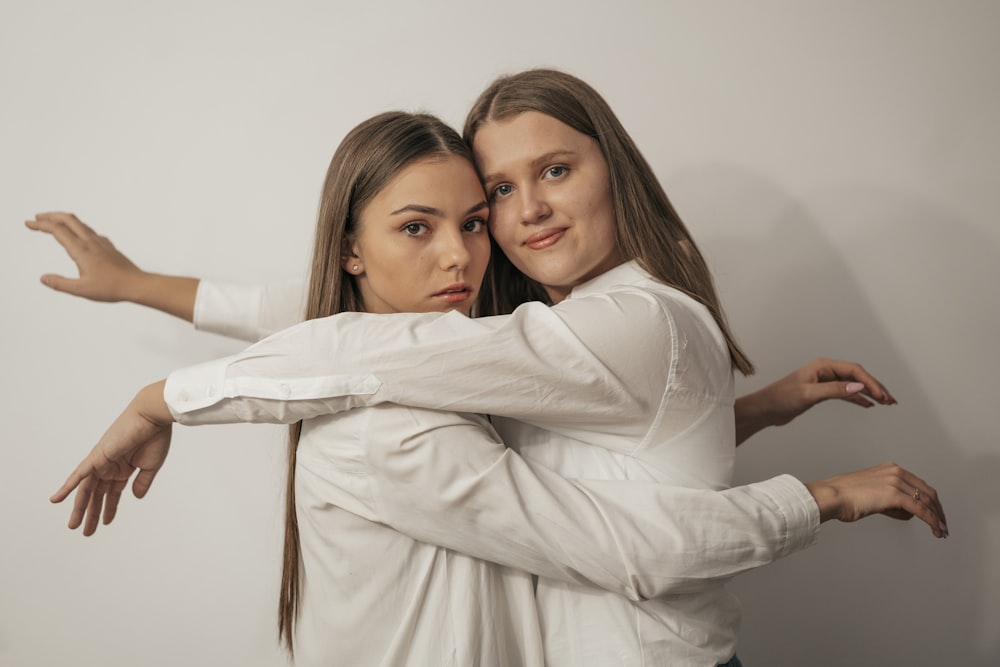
point(368, 158)
point(648, 229)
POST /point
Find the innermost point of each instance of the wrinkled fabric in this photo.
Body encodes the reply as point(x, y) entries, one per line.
point(625, 386)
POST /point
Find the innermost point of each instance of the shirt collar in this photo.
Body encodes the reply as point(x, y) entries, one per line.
point(629, 273)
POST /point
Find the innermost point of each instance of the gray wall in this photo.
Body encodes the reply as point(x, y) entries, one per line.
point(838, 162)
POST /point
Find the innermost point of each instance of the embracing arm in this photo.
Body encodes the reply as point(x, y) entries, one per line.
point(565, 369)
point(451, 485)
point(444, 479)
point(537, 365)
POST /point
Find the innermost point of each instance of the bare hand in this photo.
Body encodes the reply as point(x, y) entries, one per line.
point(105, 273)
point(821, 379)
point(139, 439)
point(884, 489)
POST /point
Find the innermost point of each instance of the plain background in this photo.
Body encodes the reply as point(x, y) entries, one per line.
point(838, 162)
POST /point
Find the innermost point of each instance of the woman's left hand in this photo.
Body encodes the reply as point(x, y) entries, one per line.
point(821, 379)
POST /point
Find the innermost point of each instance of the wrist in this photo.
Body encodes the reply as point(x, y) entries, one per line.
point(826, 497)
point(752, 413)
point(152, 405)
point(136, 286)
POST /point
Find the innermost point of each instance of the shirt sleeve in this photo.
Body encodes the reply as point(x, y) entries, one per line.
point(450, 482)
point(248, 312)
point(596, 363)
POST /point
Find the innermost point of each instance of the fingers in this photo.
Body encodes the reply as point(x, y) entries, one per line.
point(65, 228)
point(144, 480)
point(111, 500)
point(926, 502)
point(94, 509)
point(61, 283)
point(849, 373)
point(71, 234)
point(67, 221)
point(914, 497)
point(852, 392)
point(859, 400)
point(92, 494)
point(77, 476)
point(81, 502)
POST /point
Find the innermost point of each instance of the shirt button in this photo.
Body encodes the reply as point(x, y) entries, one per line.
point(285, 390)
point(182, 396)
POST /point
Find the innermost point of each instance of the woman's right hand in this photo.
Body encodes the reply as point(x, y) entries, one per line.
point(105, 273)
point(883, 489)
point(108, 275)
point(137, 441)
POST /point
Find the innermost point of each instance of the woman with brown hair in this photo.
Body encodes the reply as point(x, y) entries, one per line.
point(625, 381)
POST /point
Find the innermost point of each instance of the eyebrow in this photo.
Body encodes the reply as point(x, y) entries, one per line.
point(430, 210)
point(537, 162)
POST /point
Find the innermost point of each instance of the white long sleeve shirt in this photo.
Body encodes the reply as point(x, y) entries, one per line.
point(625, 380)
point(374, 596)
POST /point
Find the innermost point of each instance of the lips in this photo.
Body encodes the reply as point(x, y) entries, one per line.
point(544, 239)
point(455, 293)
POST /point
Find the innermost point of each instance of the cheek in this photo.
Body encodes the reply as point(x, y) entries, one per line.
point(502, 228)
point(480, 250)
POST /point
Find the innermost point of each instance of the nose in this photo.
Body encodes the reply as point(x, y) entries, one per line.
point(533, 207)
point(454, 251)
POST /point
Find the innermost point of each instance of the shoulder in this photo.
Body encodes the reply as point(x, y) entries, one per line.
point(645, 328)
point(637, 311)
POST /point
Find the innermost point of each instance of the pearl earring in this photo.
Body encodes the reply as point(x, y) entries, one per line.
point(355, 267)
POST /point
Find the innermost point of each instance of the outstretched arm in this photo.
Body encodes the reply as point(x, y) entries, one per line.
point(247, 312)
point(821, 379)
point(447, 485)
point(108, 275)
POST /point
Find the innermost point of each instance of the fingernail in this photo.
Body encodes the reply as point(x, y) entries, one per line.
point(943, 527)
point(854, 387)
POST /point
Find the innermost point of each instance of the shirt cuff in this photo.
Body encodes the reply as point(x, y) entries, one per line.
point(799, 510)
point(195, 388)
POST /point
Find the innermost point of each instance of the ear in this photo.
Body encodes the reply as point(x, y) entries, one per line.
point(350, 258)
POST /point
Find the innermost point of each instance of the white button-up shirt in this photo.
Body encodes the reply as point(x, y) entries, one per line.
point(625, 380)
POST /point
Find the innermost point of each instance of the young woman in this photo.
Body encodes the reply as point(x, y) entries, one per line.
point(402, 229)
point(626, 377)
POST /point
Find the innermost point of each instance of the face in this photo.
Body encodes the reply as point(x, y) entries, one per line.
point(550, 197)
point(421, 244)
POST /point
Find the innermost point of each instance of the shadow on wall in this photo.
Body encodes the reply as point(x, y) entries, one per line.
point(913, 300)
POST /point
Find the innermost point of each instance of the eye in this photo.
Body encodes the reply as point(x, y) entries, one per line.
point(415, 229)
point(501, 190)
point(556, 172)
point(475, 225)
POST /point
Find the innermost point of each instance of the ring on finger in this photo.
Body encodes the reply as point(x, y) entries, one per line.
point(916, 494)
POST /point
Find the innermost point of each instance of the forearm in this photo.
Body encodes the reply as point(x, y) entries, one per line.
point(539, 371)
point(636, 539)
point(455, 486)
